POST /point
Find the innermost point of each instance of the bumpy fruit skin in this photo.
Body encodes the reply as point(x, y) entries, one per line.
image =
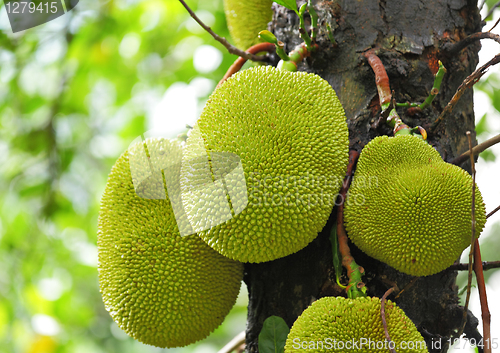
point(410, 209)
point(245, 19)
point(160, 288)
point(290, 132)
point(337, 323)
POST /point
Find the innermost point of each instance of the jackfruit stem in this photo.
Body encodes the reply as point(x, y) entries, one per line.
point(356, 288)
point(399, 128)
point(438, 79)
point(314, 20)
point(267, 36)
point(302, 26)
point(296, 56)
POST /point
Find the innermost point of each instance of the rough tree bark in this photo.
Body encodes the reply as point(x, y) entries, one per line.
point(410, 37)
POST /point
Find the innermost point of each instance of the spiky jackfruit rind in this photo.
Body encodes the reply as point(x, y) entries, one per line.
point(290, 132)
point(352, 325)
point(245, 19)
point(408, 208)
point(160, 288)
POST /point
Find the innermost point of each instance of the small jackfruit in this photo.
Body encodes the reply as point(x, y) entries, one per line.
point(274, 145)
point(408, 208)
point(160, 288)
point(338, 324)
point(245, 19)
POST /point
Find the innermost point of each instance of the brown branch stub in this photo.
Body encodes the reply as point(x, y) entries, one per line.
point(238, 64)
point(476, 150)
point(467, 83)
point(384, 321)
point(487, 265)
point(454, 48)
point(485, 311)
point(230, 48)
point(381, 78)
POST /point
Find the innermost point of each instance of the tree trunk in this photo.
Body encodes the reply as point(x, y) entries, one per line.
point(410, 37)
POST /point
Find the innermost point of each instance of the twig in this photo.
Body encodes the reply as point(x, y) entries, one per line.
point(384, 322)
point(257, 48)
point(485, 312)
point(492, 212)
point(487, 265)
point(356, 287)
point(381, 79)
point(496, 23)
point(473, 236)
point(476, 150)
point(237, 341)
point(491, 10)
point(230, 48)
point(408, 286)
point(454, 48)
point(467, 83)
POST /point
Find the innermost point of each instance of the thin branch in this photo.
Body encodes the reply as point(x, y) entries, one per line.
point(476, 150)
point(473, 235)
point(408, 286)
point(237, 341)
point(467, 83)
point(230, 48)
point(384, 322)
point(454, 48)
point(491, 10)
point(485, 311)
point(492, 212)
point(487, 265)
point(496, 23)
point(237, 65)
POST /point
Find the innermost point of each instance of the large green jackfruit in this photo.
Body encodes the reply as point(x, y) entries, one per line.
point(410, 209)
point(245, 19)
point(336, 324)
point(160, 288)
point(275, 149)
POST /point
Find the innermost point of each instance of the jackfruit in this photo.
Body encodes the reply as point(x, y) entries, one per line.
point(160, 288)
point(410, 209)
point(274, 145)
point(353, 325)
point(245, 19)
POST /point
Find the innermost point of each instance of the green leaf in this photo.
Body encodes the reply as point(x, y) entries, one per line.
point(482, 125)
point(289, 4)
point(488, 156)
point(273, 335)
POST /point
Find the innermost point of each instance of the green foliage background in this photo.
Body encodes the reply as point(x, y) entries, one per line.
point(70, 104)
point(73, 95)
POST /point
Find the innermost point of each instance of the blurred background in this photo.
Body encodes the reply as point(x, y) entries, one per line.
point(74, 93)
